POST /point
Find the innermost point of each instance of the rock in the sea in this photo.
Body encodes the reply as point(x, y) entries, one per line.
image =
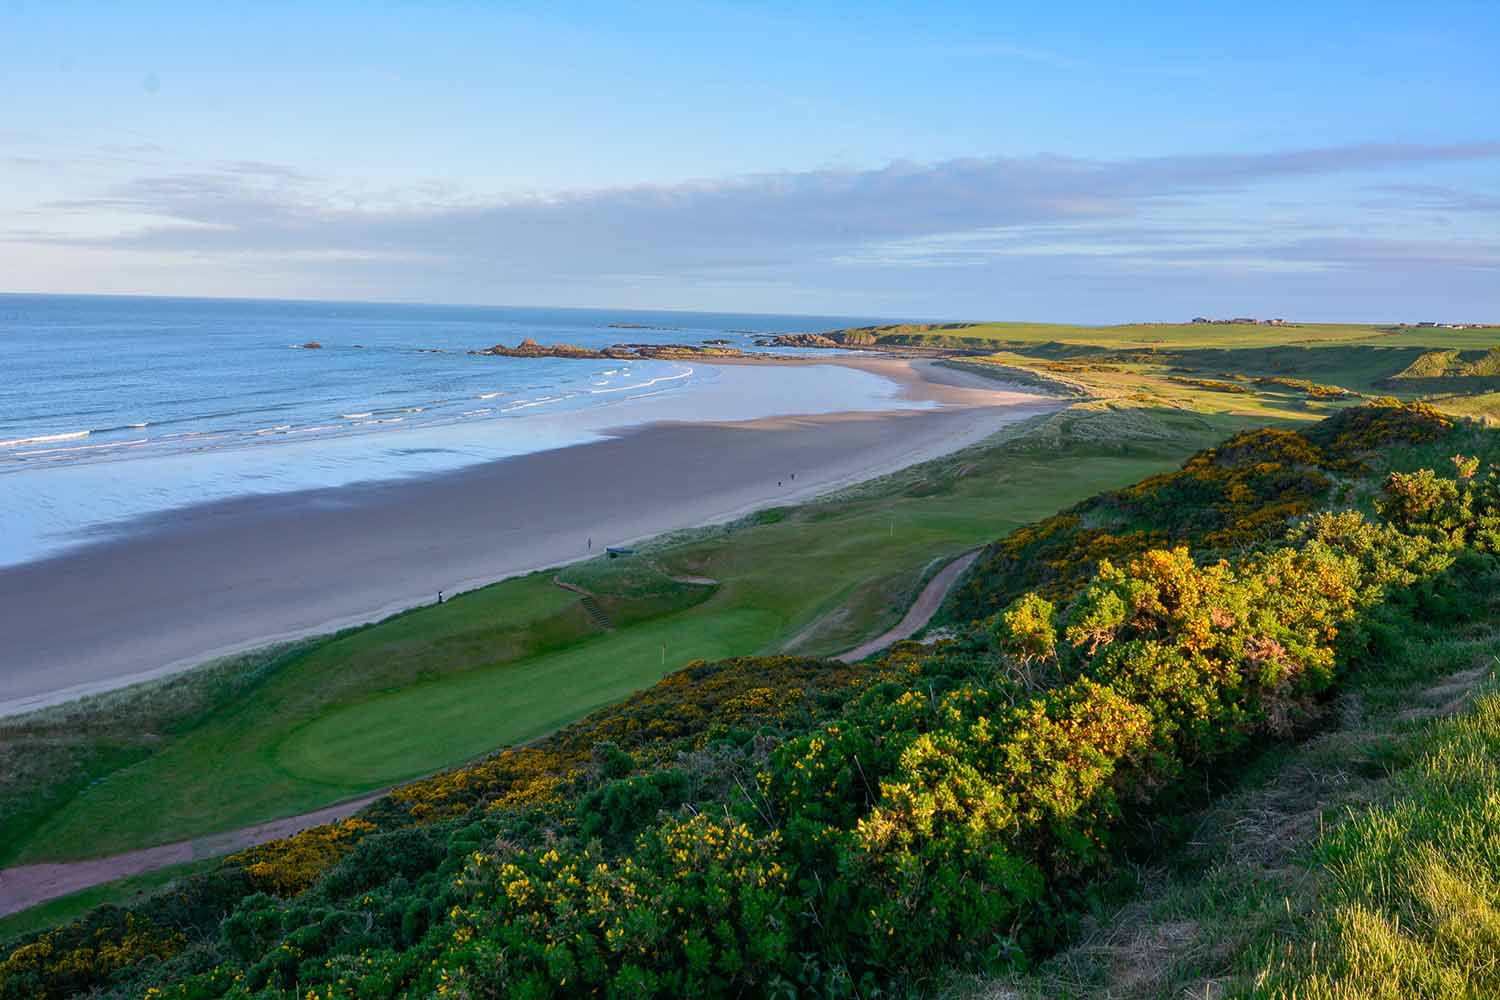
point(797, 340)
point(529, 348)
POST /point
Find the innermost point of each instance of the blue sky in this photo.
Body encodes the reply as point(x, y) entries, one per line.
point(1085, 162)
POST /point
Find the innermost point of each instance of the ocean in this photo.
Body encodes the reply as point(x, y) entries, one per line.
point(114, 409)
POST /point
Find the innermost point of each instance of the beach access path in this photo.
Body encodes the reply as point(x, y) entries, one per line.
point(920, 612)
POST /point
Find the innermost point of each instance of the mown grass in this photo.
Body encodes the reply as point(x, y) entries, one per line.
point(49, 757)
point(222, 771)
point(421, 728)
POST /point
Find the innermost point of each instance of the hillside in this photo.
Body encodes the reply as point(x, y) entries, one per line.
point(796, 824)
point(1307, 361)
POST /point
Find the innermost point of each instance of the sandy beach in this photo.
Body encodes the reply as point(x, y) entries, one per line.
point(205, 581)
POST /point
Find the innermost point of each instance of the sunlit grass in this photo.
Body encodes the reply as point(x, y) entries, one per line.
point(1409, 904)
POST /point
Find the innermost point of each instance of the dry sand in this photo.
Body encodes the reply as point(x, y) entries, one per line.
point(210, 580)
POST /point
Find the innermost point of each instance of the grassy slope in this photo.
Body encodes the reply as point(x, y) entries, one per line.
point(434, 687)
point(223, 769)
point(1408, 891)
point(1365, 358)
point(1193, 335)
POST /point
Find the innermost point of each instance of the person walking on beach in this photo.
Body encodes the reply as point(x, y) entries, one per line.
point(440, 597)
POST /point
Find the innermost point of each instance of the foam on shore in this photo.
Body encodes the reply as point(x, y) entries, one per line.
point(49, 508)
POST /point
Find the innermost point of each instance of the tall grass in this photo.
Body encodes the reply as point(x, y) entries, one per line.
point(1410, 890)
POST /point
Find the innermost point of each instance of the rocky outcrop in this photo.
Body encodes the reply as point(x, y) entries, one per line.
point(836, 338)
point(529, 348)
point(797, 340)
point(908, 340)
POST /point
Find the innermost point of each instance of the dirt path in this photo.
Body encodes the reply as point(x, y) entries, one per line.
point(921, 611)
point(25, 886)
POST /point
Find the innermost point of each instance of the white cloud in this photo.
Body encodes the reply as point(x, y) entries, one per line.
point(1017, 216)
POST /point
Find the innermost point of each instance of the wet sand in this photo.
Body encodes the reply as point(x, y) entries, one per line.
point(192, 584)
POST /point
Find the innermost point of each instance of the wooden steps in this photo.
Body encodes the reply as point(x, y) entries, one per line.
point(596, 614)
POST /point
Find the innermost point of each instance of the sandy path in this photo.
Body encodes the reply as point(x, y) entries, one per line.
point(921, 611)
point(25, 886)
point(216, 579)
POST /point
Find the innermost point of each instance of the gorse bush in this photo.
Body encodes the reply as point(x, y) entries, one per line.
point(1223, 500)
point(75, 958)
point(697, 907)
point(788, 826)
point(288, 866)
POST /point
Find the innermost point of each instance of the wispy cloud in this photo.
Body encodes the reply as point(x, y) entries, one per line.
point(905, 214)
point(1436, 198)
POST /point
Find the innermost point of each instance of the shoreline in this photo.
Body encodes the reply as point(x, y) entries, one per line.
point(221, 578)
point(61, 504)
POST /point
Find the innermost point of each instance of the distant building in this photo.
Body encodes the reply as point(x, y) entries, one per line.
point(1239, 320)
point(1427, 324)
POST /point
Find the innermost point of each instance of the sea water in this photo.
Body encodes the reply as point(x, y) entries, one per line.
point(114, 408)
